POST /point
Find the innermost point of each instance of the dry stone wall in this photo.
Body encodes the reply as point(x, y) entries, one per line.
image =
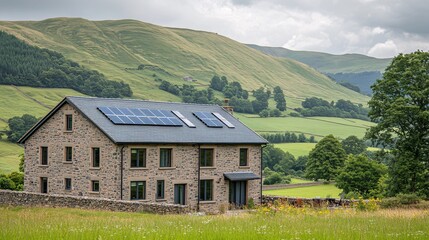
point(14, 198)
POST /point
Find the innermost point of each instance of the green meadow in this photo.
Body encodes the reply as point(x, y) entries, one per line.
point(65, 223)
point(324, 190)
point(296, 149)
point(9, 156)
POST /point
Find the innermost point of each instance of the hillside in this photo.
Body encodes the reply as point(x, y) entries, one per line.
point(357, 69)
point(116, 48)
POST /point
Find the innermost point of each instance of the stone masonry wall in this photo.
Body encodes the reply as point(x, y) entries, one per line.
point(14, 198)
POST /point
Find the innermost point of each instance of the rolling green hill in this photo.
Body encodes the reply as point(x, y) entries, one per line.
point(116, 48)
point(329, 63)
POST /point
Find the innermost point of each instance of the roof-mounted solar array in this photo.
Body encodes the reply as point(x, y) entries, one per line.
point(222, 119)
point(184, 119)
point(208, 119)
point(140, 116)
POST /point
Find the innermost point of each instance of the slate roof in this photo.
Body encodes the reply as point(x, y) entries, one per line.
point(240, 176)
point(127, 134)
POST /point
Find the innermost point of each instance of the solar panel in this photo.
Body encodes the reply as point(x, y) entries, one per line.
point(208, 119)
point(184, 119)
point(222, 119)
point(140, 116)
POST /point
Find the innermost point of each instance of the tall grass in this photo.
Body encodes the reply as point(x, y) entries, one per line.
point(49, 223)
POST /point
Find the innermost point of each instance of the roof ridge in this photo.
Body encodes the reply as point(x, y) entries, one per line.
point(142, 100)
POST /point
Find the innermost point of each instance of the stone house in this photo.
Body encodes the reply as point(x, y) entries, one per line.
point(191, 154)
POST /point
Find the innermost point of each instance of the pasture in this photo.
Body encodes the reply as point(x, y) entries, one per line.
point(324, 190)
point(296, 149)
point(64, 223)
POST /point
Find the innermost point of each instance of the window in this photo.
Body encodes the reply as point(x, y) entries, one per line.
point(68, 184)
point(69, 154)
point(138, 190)
point(206, 190)
point(160, 189)
point(44, 155)
point(243, 157)
point(165, 157)
point(138, 157)
point(96, 157)
point(69, 122)
point(44, 185)
point(206, 157)
point(95, 186)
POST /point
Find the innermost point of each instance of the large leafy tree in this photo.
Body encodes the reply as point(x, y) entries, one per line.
point(326, 159)
point(400, 107)
point(19, 125)
point(353, 145)
point(360, 175)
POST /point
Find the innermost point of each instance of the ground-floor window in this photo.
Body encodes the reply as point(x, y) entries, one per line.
point(44, 185)
point(160, 189)
point(138, 190)
point(95, 186)
point(68, 184)
point(206, 190)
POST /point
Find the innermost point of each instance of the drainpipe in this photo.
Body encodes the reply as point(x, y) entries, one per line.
point(262, 149)
point(199, 177)
point(122, 172)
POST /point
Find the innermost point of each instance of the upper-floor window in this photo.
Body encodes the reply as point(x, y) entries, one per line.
point(69, 154)
point(44, 155)
point(165, 157)
point(138, 190)
point(138, 157)
point(206, 157)
point(243, 157)
point(96, 157)
point(69, 122)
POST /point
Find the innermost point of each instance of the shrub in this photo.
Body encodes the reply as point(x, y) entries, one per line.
point(400, 200)
point(294, 114)
point(251, 203)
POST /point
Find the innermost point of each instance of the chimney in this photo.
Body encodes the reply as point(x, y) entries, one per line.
point(226, 106)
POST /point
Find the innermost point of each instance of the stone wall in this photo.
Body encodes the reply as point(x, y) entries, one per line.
point(15, 198)
point(314, 202)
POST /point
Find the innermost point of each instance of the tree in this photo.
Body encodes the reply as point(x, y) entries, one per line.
point(400, 107)
point(353, 145)
point(326, 159)
point(279, 97)
point(360, 175)
point(19, 125)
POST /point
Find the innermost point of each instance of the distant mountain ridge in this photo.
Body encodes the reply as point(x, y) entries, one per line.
point(117, 47)
point(357, 69)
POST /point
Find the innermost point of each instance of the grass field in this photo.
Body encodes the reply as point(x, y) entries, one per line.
point(317, 126)
point(9, 156)
point(296, 149)
point(322, 191)
point(298, 180)
point(49, 223)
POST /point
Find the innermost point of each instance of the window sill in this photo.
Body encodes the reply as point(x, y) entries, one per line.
point(94, 193)
point(166, 168)
point(68, 162)
point(161, 200)
point(138, 168)
point(212, 167)
point(94, 168)
point(244, 167)
point(67, 190)
point(42, 165)
point(68, 131)
point(207, 202)
point(139, 200)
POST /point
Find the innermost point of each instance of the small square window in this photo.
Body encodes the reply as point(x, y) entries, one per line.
point(69, 122)
point(96, 157)
point(206, 157)
point(138, 157)
point(243, 157)
point(165, 157)
point(138, 190)
point(68, 184)
point(44, 155)
point(95, 186)
point(160, 189)
point(69, 154)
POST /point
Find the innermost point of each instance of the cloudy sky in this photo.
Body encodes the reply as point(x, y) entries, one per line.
point(378, 28)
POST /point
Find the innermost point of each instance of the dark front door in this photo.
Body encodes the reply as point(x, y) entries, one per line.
point(238, 192)
point(180, 194)
point(44, 185)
